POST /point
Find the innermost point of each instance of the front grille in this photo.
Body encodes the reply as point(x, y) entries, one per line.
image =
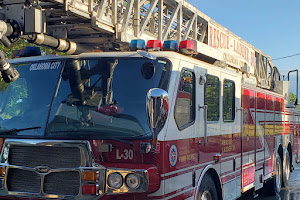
point(19, 180)
point(51, 156)
point(58, 183)
point(62, 183)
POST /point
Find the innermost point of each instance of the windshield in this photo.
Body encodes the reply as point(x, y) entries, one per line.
point(25, 102)
point(92, 98)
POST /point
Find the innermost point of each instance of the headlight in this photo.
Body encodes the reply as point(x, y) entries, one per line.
point(132, 181)
point(115, 180)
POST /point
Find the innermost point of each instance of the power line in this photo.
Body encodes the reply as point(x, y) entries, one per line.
point(286, 56)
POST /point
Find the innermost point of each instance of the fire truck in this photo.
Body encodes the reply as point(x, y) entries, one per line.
point(155, 101)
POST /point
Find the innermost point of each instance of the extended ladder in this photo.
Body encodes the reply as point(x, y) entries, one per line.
point(102, 24)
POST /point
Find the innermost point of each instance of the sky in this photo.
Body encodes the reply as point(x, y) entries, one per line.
point(273, 26)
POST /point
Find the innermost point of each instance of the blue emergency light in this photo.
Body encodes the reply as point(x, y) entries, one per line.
point(27, 52)
point(138, 44)
point(170, 45)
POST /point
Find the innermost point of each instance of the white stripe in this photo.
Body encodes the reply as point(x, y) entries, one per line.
point(178, 182)
point(186, 169)
point(179, 193)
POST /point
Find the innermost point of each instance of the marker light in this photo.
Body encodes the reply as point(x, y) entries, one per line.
point(132, 181)
point(170, 45)
point(88, 189)
point(187, 47)
point(154, 44)
point(115, 180)
point(187, 80)
point(137, 45)
point(89, 176)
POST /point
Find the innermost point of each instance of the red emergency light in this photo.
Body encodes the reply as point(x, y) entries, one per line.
point(188, 47)
point(154, 45)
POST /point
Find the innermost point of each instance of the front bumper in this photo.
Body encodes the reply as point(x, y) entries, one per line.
point(48, 169)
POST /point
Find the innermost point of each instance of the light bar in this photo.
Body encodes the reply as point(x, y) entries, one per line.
point(170, 45)
point(27, 52)
point(30, 51)
point(188, 47)
point(154, 45)
point(137, 45)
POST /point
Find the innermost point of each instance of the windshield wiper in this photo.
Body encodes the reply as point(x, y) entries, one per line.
point(16, 130)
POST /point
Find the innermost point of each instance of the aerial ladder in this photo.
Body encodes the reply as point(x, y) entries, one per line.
point(77, 26)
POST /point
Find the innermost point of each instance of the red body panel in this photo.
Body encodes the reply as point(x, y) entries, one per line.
point(263, 119)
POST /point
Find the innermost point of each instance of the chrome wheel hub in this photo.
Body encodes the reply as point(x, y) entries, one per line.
point(206, 195)
point(278, 176)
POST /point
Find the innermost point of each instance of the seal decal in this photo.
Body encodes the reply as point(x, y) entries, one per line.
point(173, 155)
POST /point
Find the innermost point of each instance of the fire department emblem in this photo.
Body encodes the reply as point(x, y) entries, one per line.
point(173, 155)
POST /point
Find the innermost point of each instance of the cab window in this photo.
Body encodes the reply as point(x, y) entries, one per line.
point(228, 101)
point(185, 101)
point(211, 98)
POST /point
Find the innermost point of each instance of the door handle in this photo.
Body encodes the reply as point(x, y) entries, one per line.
point(204, 107)
point(199, 142)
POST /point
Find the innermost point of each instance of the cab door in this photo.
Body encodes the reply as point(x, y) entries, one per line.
point(208, 116)
point(201, 113)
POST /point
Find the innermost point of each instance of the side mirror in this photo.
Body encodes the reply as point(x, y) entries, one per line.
point(157, 109)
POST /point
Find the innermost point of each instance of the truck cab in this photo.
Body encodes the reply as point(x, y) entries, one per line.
point(80, 126)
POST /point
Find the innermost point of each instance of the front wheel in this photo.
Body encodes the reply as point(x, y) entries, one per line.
point(207, 189)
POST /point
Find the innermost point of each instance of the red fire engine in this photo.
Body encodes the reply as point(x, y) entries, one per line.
point(157, 102)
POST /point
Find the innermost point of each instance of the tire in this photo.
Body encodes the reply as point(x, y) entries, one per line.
point(286, 170)
point(274, 185)
point(207, 190)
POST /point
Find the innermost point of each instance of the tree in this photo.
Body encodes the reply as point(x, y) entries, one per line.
point(292, 98)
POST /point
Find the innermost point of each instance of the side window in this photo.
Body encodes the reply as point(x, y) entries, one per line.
point(228, 100)
point(211, 98)
point(185, 101)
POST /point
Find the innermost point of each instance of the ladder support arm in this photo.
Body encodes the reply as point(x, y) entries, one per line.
point(171, 21)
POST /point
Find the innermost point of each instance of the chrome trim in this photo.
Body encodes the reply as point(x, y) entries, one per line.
point(204, 107)
point(87, 163)
point(84, 146)
point(124, 172)
point(156, 101)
